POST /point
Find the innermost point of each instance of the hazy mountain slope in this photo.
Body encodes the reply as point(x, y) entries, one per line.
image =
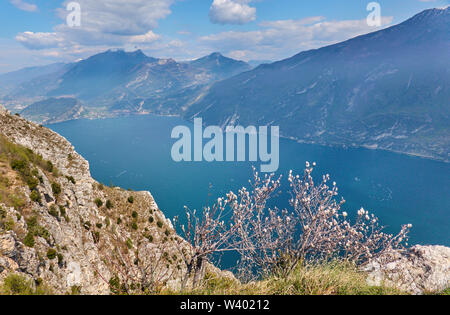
point(153, 80)
point(166, 85)
point(116, 77)
point(98, 74)
point(219, 66)
point(389, 89)
point(53, 110)
point(11, 80)
point(122, 81)
point(34, 90)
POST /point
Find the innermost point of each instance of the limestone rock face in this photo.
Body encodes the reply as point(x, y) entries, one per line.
point(417, 270)
point(47, 143)
point(94, 232)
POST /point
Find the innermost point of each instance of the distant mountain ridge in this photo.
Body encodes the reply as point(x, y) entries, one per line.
point(94, 76)
point(11, 80)
point(118, 80)
point(54, 110)
point(388, 89)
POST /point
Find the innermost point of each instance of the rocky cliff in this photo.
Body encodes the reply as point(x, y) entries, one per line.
point(60, 227)
point(417, 270)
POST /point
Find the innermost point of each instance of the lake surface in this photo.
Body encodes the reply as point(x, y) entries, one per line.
point(135, 152)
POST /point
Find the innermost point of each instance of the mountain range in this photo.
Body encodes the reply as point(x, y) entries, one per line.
point(389, 89)
point(114, 80)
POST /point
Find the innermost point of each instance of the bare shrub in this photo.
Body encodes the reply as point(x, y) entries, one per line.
point(144, 268)
point(207, 235)
point(327, 232)
point(274, 241)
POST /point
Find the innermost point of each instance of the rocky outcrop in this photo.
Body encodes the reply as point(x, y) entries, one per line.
point(79, 234)
point(417, 270)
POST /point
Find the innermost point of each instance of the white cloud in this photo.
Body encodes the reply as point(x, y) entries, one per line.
point(104, 23)
point(25, 6)
point(146, 38)
point(231, 12)
point(118, 17)
point(278, 39)
point(130, 24)
point(39, 40)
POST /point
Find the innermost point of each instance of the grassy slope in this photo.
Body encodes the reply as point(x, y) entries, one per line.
point(325, 279)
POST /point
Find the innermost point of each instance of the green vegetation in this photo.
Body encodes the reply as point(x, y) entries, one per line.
point(98, 202)
point(49, 166)
point(129, 243)
point(131, 199)
point(115, 285)
point(53, 212)
point(60, 258)
point(36, 230)
point(335, 278)
point(35, 196)
point(134, 214)
point(2, 213)
point(19, 285)
point(9, 224)
point(71, 179)
point(75, 290)
point(445, 292)
point(24, 161)
point(62, 211)
point(16, 285)
point(160, 224)
point(51, 253)
point(56, 189)
point(64, 214)
point(109, 204)
point(29, 240)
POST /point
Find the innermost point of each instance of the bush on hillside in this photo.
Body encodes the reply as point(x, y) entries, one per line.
point(272, 241)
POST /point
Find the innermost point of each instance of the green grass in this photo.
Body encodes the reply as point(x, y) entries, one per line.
point(446, 292)
point(23, 162)
point(322, 279)
point(19, 285)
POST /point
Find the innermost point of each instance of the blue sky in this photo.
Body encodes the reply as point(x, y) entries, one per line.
point(35, 32)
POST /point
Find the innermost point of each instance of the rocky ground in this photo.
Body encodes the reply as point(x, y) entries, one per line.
point(417, 270)
point(71, 232)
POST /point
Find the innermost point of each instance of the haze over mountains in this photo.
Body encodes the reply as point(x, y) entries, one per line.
point(389, 89)
point(116, 80)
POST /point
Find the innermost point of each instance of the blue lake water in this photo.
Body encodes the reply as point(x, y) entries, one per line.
point(135, 152)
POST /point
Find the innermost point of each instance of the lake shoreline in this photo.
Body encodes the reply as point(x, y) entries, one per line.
point(295, 139)
point(135, 152)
